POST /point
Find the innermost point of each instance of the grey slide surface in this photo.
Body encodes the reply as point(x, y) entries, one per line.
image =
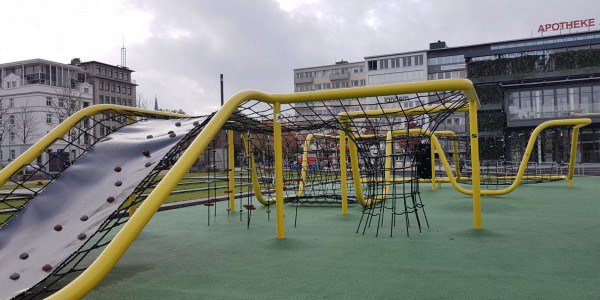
point(62, 218)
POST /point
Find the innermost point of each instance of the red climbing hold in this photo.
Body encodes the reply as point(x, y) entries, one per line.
point(171, 132)
point(297, 179)
point(215, 199)
point(269, 169)
point(46, 268)
point(110, 199)
point(208, 204)
point(58, 227)
point(117, 169)
point(146, 152)
point(228, 192)
point(268, 192)
point(227, 170)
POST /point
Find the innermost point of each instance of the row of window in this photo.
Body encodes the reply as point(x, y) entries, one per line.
point(332, 85)
point(106, 86)
point(111, 74)
point(396, 62)
point(551, 103)
point(547, 41)
point(453, 59)
point(327, 73)
point(447, 75)
point(113, 100)
point(416, 75)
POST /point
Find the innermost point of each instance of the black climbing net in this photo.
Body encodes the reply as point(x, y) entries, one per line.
point(392, 147)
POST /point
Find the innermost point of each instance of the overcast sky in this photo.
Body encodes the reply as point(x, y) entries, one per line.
point(178, 48)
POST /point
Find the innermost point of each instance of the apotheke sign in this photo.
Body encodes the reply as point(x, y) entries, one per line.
point(585, 23)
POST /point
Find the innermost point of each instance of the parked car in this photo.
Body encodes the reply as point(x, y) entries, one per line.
point(31, 169)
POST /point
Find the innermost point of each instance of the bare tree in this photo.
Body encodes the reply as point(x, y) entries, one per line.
point(68, 102)
point(142, 101)
point(5, 125)
point(25, 124)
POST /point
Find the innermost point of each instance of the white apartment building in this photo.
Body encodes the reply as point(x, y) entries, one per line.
point(35, 96)
point(342, 74)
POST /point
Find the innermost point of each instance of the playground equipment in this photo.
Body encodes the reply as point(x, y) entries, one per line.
point(365, 119)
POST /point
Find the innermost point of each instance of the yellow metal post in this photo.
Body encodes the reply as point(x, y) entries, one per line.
point(132, 208)
point(475, 164)
point(278, 148)
point(432, 151)
point(344, 179)
point(231, 166)
point(573, 154)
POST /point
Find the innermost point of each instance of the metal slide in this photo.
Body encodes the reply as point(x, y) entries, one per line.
point(69, 211)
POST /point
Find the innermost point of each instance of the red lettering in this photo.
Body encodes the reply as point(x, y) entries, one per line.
point(548, 26)
point(584, 23)
point(541, 29)
point(592, 22)
point(569, 25)
point(555, 26)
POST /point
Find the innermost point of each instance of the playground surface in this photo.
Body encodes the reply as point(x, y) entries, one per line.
point(540, 241)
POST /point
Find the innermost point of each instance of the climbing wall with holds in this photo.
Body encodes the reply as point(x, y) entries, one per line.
point(57, 222)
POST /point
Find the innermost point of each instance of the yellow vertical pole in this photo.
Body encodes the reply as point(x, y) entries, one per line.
point(475, 164)
point(231, 166)
point(573, 155)
point(132, 208)
point(456, 158)
point(344, 174)
point(278, 148)
point(432, 151)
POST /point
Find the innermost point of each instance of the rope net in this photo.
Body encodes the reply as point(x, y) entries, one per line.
point(387, 149)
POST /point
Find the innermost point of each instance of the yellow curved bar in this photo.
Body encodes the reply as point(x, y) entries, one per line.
point(577, 123)
point(254, 174)
point(63, 128)
point(87, 280)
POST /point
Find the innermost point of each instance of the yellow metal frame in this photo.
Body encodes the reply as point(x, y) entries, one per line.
point(87, 280)
point(576, 123)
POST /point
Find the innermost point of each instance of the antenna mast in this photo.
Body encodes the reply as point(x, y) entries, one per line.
point(123, 55)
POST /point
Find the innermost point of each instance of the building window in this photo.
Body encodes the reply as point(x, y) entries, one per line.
point(61, 118)
point(11, 120)
point(48, 101)
point(118, 89)
point(383, 64)
point(118, 101)
point(125, 76)
point(13, 155)
point(110, 73)
point(372, 65)
point(86, 104)
point(86, 90)
point(101, 99)
point(61, 102)
point(11, 102)
point(120, 75)
point(101, 86)
point(97, 70)
point(103, 72)
point(112, 87)
point(128, 91)
point(12, 137)
point(112, 100)
point(48, 118)
point(406, 61)
point(418, 60)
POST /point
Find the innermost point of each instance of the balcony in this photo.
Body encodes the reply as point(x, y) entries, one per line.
point(333, 77)
point(303, 80)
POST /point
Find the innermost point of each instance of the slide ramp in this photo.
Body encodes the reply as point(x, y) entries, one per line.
point(63, 217)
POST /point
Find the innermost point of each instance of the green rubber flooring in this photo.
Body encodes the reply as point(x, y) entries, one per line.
point(540, 242)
